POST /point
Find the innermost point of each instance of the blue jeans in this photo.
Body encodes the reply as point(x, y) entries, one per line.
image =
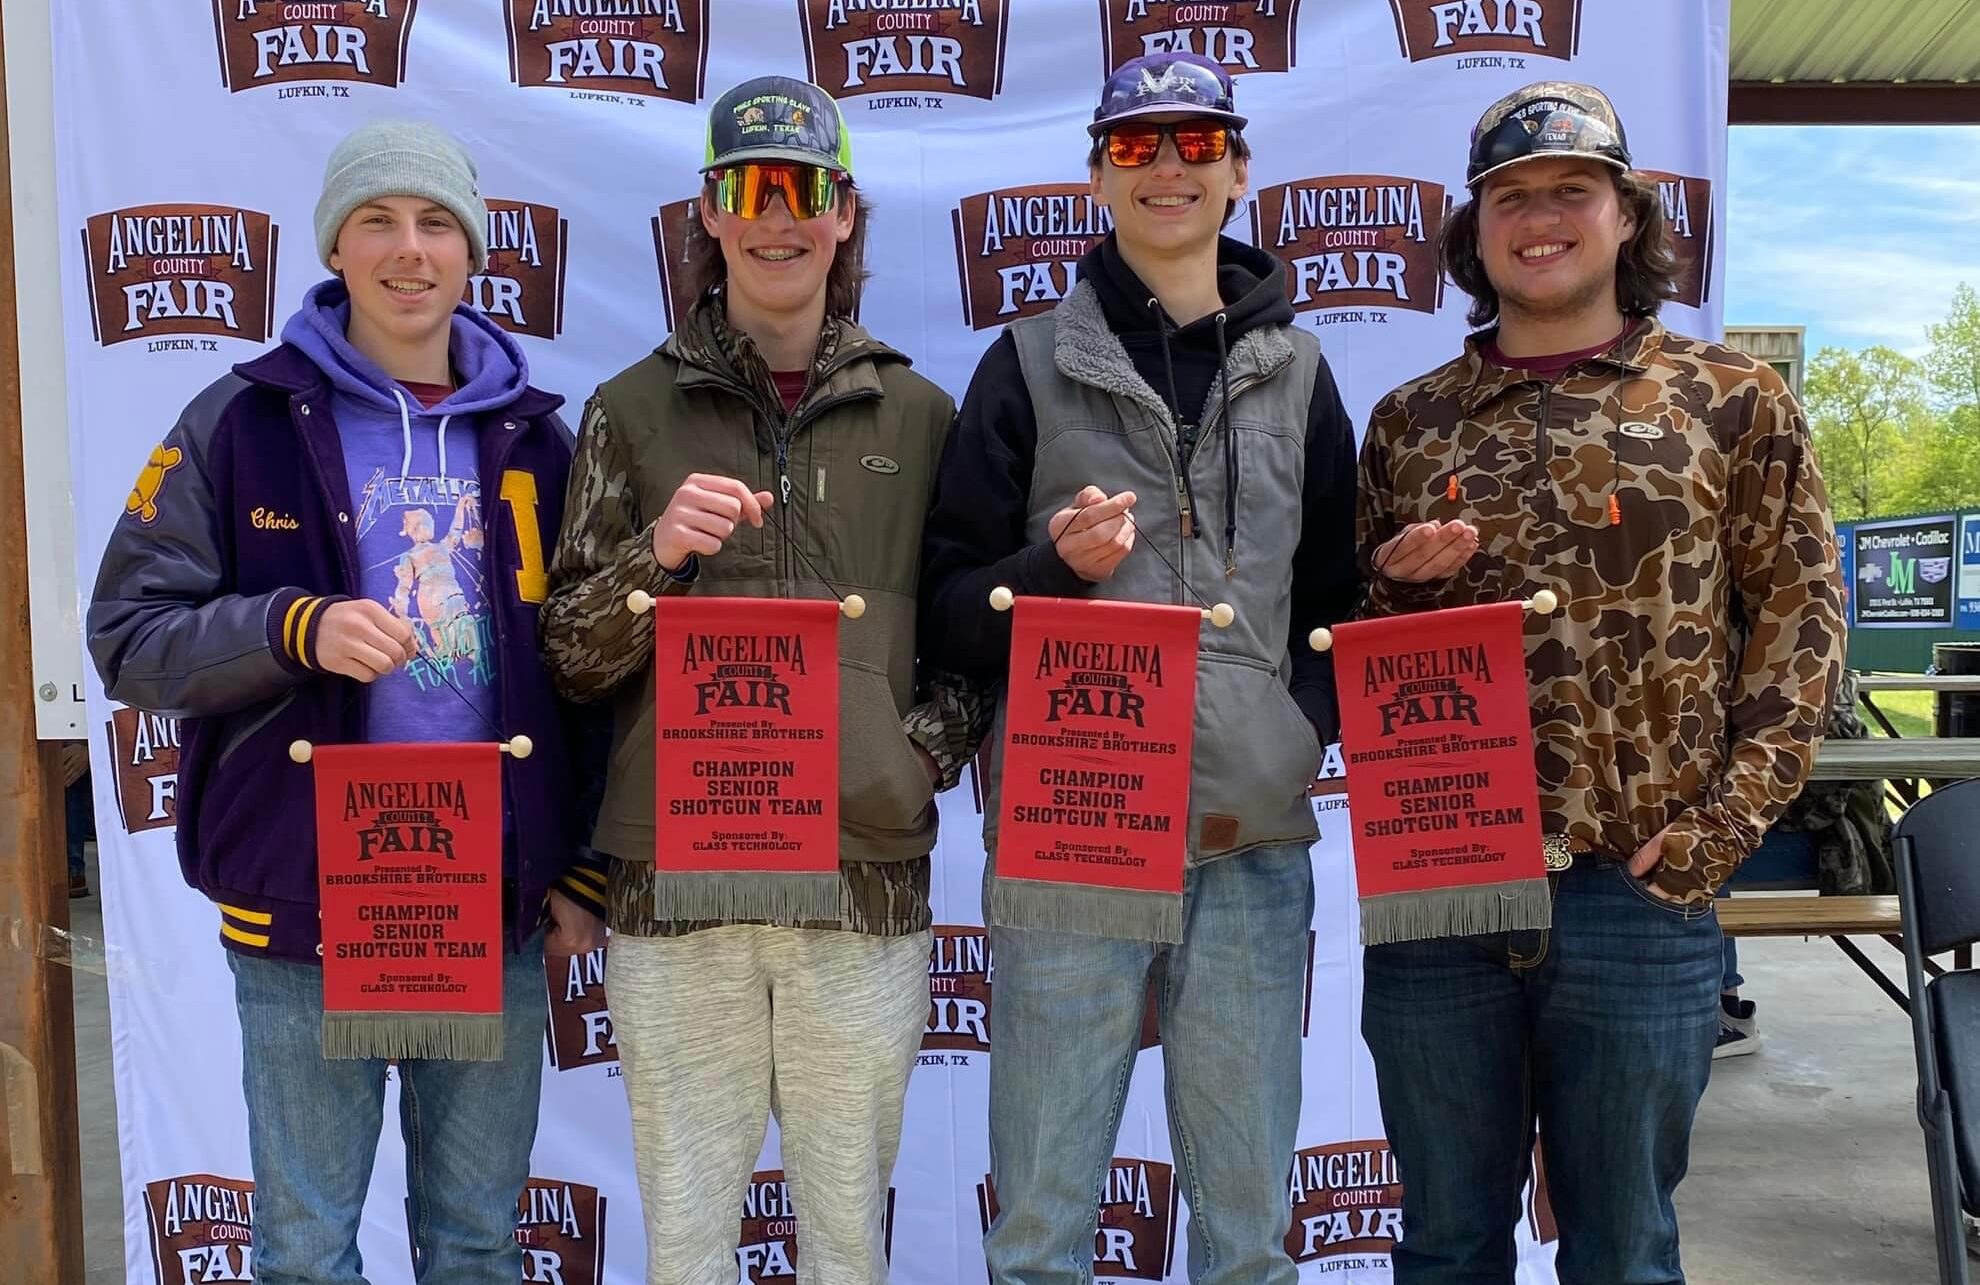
point(1600, 1029)
point(1065, 1026)
point(79, 807)
point(313, 1134)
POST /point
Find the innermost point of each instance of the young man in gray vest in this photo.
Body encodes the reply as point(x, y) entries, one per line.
point(1167, 401)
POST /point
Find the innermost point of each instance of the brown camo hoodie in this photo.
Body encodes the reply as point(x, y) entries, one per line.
point(1685, 680)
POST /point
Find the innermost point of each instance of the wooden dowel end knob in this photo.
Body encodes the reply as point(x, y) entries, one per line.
point(1001, 598)
point(1321, 639)
point(639, 602)
point(1221, 615)
point(853, 606)
point(1544, 603)
point(520, 746)
point(301, 751)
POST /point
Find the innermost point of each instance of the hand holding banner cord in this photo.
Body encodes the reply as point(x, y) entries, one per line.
point(747, 749)
point(1100, 705)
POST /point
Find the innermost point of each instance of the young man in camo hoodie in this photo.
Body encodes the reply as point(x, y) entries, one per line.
point(1665, 488)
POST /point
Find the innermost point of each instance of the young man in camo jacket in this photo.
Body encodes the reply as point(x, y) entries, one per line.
point(1665, 488)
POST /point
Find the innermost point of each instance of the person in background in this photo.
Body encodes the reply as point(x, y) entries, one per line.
point(79, 808)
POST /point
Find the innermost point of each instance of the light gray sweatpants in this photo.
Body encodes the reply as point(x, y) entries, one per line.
point(721, 1027)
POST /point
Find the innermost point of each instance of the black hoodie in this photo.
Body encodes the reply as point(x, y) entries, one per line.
point(974, 538)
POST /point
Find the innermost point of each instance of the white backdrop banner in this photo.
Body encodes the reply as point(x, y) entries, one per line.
point(192, 135)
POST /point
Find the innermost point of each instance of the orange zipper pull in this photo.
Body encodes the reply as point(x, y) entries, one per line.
point(1450, 489)
point(1615, 510)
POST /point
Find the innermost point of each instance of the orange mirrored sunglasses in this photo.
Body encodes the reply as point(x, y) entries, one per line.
point(1135, 144)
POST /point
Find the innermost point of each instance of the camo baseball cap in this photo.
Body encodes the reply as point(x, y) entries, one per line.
point(1546, 118)
point(1157, 84)
point(778, 118)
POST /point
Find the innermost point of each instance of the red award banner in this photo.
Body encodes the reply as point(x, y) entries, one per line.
point(746, 754)
point(409, 862)
point(1437, 730)
point(1100, 713)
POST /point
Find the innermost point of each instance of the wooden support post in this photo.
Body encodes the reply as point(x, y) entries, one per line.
point(40, 1154)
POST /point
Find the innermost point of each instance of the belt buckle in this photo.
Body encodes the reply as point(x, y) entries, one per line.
point(1554, 850)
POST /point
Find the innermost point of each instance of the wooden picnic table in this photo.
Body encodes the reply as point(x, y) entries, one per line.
point(1899, 757)
point(1917, 683)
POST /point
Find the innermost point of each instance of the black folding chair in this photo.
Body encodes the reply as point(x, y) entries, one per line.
point(1938, 870)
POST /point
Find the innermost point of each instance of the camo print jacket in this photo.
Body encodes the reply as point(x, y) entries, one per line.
point(1685, 681)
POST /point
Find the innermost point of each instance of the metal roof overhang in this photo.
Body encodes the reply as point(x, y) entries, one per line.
point(1855, 62)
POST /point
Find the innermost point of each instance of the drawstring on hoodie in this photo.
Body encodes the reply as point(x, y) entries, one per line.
point(1185, 501)
point(1230, 455)
point(405, 431)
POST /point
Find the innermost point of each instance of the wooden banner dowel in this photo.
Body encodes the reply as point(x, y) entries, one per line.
point(1321, 639)
point(639, 602)
point(518, 746)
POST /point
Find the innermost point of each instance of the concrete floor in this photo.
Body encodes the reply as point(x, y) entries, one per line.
point(1806, 1168)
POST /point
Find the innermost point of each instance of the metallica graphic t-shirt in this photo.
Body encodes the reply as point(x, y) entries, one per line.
point(418, 515)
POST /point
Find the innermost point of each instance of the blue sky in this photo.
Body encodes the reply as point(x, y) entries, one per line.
point(1859, 233)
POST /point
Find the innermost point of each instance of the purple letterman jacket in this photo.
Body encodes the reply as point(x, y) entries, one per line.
point(207, 606)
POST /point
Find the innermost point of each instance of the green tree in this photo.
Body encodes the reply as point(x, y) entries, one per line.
point(1953, 367)
point(1860, 405)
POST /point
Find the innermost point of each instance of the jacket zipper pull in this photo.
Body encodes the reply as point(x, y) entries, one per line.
point(784, 484)
point(1183, 507)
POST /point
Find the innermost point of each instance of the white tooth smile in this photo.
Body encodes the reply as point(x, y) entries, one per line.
point(777, 256)
point(1167, 201)
point(407, 287)
point(1542, 251)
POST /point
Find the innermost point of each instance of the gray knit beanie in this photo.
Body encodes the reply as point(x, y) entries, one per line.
point(400, 158)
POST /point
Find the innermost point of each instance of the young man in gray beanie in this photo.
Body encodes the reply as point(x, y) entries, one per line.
point(312, 559)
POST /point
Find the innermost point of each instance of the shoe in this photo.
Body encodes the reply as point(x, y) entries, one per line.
point(78, 886)
point(1739, 1032)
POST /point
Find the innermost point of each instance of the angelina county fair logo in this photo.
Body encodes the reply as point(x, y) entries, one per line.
point(1136, 1236)
point(1490, 33)
point(522, 288)
point(181, 277)
point(622, 51)
point(580, 1024)
point(959, 980)
point(1242, 36)
point(144, 748)
point(1688, 215)
point(560, 1227)
point(282, 42)
point(906, 53)
point(1018, 248)
point(1346, 1203)
point(201, 1229)
point(1355, 241)
point(767, 1249)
